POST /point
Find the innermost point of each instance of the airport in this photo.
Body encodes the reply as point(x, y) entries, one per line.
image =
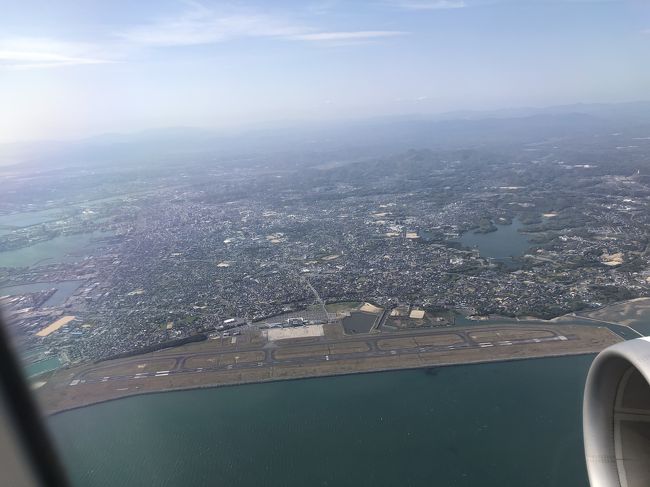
point(311, 351)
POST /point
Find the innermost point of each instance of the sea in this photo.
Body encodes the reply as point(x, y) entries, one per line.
point(501, 424)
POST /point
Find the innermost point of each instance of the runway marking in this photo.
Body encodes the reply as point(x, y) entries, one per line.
point(212, 368)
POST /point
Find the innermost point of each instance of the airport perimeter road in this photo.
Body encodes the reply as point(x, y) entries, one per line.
point(318, 350)
point(215, 363)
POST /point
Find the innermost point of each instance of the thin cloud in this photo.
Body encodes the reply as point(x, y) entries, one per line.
point(203, 27)
point(25, 53)
point(431, 4)
point(346, 36)
point(200, 25)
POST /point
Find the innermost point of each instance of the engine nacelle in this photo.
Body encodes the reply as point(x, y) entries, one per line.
point(616, 416)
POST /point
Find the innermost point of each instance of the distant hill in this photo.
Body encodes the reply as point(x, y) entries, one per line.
point(371, 136)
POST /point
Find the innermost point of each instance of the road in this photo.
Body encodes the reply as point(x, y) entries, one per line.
point(370, 346)
point(320, 300)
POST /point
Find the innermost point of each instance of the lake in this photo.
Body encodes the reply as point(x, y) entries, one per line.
point(502, 244)
point(492, 425)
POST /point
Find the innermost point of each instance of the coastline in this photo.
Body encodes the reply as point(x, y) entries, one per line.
point(48, 414)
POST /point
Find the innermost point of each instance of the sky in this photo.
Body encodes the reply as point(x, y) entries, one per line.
point(72, 69)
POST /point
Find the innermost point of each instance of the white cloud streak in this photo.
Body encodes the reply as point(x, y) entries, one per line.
point(197, 26)
point(204, 26)
point(30, 53)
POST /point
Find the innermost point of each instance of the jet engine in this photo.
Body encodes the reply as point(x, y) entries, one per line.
point(616, 416)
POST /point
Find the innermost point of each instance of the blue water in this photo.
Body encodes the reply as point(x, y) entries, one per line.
point(59, 249)
point(64, 289)
point(506, 242)
point(42, 366)
point(27, 218)
point(492, 425)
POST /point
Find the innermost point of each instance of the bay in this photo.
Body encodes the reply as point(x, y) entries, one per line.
point(491, 425)
point(64, 248)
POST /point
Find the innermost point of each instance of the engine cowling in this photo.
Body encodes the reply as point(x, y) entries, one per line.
point(616, 416)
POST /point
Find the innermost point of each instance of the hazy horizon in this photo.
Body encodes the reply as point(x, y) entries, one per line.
point(70, 72)
point(289, 124)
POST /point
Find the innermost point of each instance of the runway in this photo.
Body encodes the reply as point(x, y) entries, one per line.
point(314, 351)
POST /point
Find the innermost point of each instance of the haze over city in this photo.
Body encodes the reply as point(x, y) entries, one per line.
point(70, 70)
point(412, 237)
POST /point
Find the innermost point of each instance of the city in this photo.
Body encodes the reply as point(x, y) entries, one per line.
point(163, 254)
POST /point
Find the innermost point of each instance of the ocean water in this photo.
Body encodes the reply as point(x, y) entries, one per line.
point(491, 425)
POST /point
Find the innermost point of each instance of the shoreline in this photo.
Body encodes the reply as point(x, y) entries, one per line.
point(48, 415)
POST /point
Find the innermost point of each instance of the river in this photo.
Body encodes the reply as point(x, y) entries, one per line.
point(64, 289)
point(27, 218)
point(491, 425)
point(63, 248)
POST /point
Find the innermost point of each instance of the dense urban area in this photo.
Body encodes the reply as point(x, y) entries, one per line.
point(129, 255)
